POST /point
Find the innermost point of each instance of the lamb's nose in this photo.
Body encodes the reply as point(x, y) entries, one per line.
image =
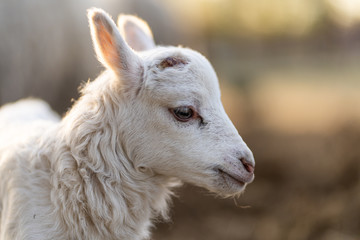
point(248, 165)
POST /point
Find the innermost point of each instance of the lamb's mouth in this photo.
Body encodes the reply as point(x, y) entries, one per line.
point(231, 178)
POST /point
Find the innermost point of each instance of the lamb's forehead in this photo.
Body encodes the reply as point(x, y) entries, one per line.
point(191, 72)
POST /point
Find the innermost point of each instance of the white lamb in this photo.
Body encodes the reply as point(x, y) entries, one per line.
point(152, 119)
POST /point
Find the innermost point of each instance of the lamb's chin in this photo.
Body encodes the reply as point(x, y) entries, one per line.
point(226, 186)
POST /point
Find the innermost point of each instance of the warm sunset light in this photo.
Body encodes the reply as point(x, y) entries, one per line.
point(288, 76)
point(345, 12)
point(267, 18)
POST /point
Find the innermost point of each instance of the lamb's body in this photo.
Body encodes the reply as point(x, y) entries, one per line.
point(25, 174)
point(48, 189)
point(107, 168)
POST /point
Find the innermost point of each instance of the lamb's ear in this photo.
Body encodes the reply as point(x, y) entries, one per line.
point(136, 32)
point(110, 47)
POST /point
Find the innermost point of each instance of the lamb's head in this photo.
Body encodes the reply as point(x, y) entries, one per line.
point(172, 119)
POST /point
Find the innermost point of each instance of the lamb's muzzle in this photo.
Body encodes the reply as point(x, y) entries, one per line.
point(236, 172)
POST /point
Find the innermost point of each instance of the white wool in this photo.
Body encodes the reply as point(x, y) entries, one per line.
point(106, 170)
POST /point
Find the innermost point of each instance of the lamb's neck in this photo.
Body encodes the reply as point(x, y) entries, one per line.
point(97, 182)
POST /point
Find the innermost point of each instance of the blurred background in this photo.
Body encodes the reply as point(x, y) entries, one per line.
point(289, 71)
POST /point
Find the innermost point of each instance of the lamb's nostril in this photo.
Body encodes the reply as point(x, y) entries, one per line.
point(248, 165)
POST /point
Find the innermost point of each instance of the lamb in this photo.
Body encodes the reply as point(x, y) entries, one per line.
point(151, 120)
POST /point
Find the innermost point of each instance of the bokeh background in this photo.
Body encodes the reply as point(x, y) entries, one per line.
point(290, 77)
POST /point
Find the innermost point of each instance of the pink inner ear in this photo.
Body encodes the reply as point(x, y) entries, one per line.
point(106, 42)
point(107, 46)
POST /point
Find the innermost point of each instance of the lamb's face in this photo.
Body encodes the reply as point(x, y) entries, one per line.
point(183, 129)
point(176, 124)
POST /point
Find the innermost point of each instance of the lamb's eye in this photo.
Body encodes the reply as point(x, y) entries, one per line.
point(183, 114)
